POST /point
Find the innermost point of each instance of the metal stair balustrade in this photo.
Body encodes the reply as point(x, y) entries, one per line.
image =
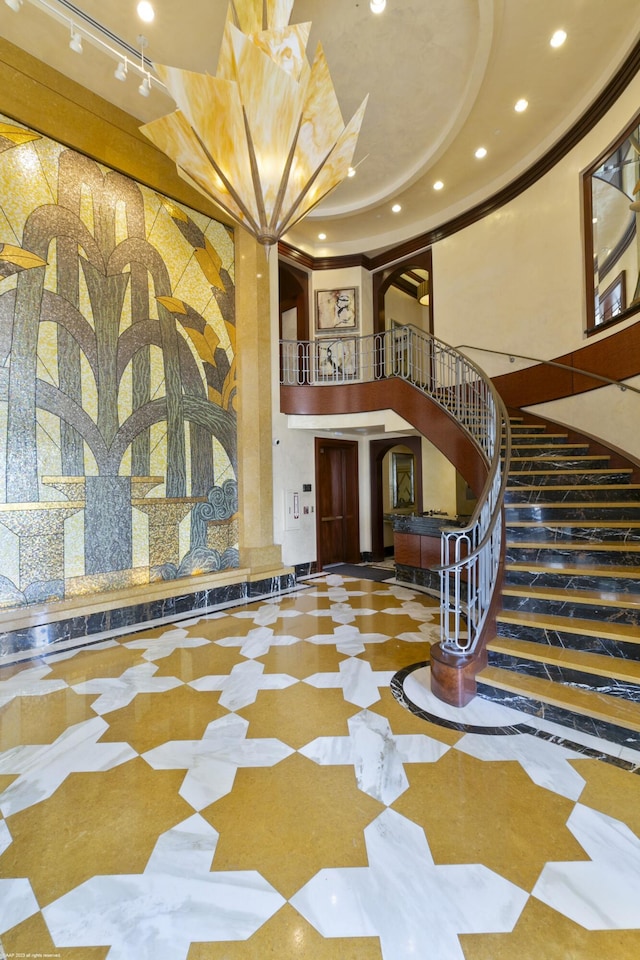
point(470, 555)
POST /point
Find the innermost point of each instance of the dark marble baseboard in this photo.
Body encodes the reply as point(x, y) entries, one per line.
point(305, 569)
point(419, 577)
point(566, 718)
point(34, 640)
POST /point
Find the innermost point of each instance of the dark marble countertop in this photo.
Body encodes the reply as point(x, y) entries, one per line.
point(428, 525)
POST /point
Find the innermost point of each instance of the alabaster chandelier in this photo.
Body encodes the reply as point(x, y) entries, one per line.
point(264, 138)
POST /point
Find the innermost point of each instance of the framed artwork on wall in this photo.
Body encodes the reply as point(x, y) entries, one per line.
point(403, 482)
point(336, 310)
point(336, 359)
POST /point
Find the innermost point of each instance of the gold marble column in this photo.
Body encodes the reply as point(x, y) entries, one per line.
point(255, 468)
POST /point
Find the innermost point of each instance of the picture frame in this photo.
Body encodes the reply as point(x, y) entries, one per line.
point(336, 359)
point(337, 310)
point(403, 480)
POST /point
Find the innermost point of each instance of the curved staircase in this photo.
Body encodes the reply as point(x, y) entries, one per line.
point(567, 644)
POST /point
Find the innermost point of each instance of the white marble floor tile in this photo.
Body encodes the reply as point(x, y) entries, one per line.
point(358, 681)
point(257, 642)
point(163, 646)
point(266, 614)
point(348, 639)
point(426, 633)
point(178, 900)
point(416, 908)
point(376, 753)
point(118, 692)
point(211, 763)
point(545, 762)
point(415, 610)
point(242, 685)
point(479, 713)
point(5, 837)
point(41, 768)
point(17, 903)
point(602, 893)
point(29, 683)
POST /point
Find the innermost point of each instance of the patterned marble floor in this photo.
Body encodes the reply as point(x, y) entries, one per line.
point(246, 785)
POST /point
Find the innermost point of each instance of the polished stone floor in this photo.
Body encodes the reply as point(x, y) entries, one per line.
point(275, 781)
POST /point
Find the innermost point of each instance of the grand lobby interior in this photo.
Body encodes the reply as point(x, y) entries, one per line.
point(217, 741)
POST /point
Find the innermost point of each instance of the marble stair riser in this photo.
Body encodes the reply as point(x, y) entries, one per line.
point(555, 478)
point(591, 580)
point(544, 513)
point(553, 533)
point(566, 718)
point(571, 607)
point(540, 449)
point(621, 689)
point(627, 556)
point(559, 493)
point(547, 462)
point(584, 642)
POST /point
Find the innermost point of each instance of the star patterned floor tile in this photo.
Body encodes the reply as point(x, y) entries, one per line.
point(388, 898)
point(242, 685)
point(348, 639)
point(257, 642)
point(357, 680)
point(29, 683)
point(211, 763)
point(158, 647)
point(42, 768)
point(117, 692)
point(178, 899)
point(377, 755)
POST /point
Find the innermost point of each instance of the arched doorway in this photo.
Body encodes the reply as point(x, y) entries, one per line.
point(406, 278)
point(377, 452)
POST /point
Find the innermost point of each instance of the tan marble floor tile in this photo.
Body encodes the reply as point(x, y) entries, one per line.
point(475, 811)
point(6, 779)
point(305, 626)
point(291, 820)
point(190, 663)
point(150, 720)
point(105, 823)
point(303, 659)
point(288, 936)
point(611, 790)
point(87, 664)
point(32, 939)
point(215, 628)
point(42, 719)
point(394, 624)
point(395, 654)
point(543, 934)
point(403, 721)
point(299, 714)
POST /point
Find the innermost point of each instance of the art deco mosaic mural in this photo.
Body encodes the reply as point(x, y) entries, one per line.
point(117, 379)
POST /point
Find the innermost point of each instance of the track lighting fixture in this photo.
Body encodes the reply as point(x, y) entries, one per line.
point(75, 42)
point(145, 87)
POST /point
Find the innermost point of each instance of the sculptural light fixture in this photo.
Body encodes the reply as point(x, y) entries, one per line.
point(264, 138)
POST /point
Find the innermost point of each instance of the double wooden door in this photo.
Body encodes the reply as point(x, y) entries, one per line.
point(337, 502)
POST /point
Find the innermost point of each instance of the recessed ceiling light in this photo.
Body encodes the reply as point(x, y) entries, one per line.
point(145, 11)
point(322, 236)
point(481, 152)
point(351, 172)
point(438, 185)
point(521, 105)
point(377, 6)
point(396, 208)
point(558, 38)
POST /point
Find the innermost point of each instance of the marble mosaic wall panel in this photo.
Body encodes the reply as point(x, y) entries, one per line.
point(117, 379)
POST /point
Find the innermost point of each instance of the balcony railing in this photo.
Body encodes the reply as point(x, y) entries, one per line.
point(470, 556)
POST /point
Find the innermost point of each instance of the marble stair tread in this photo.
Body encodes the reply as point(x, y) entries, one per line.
point(601, 597)
point(574, 570)
point(620, 713)
point(621, 632)
point(597, 664)
point(604, 546)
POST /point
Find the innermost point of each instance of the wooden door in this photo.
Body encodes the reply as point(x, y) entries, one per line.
point(337, 502)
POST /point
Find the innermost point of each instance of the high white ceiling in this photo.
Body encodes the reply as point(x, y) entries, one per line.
point(442, 77)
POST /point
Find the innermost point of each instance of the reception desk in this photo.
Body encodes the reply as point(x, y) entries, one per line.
point(416, 545)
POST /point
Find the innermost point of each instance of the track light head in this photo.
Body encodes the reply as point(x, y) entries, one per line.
point(120, 73)
point(145, 87)
point(75, 42)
